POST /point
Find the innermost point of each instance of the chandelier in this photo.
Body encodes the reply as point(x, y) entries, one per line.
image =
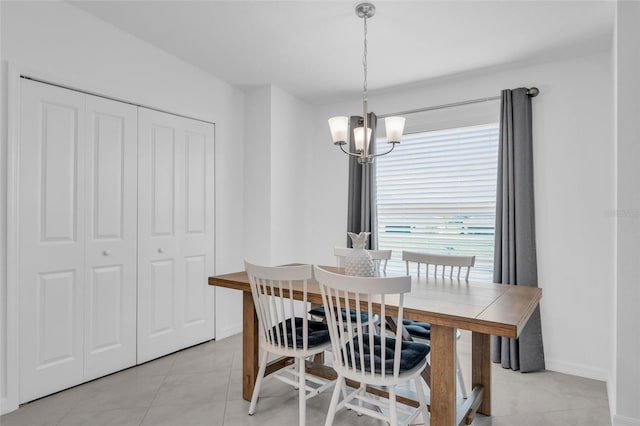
point(339, 126)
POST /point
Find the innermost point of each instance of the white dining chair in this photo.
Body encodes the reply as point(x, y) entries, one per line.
point(369, 359)
point(421, 331)
point(283, 332)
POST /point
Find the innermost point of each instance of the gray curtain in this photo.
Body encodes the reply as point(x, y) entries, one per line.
point(361, 210)
point(515, 241)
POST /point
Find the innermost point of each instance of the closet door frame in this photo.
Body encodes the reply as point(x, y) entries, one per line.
point(9, 402)
point(9, 331)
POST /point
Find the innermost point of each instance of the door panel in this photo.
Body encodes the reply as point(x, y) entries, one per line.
point(59, 152)
point(56, 303)
point(108, 145)
point(163, 170)
point(195, 292)
point(51, 239)
point(162, 300)
point(104, 310)
point(175, 233)
point(111, 256)
point(196, 169)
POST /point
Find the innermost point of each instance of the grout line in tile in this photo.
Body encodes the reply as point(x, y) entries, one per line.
point(164, 378)
point(226, 400)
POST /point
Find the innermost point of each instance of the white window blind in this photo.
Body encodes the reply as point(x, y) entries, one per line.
point(437, 193)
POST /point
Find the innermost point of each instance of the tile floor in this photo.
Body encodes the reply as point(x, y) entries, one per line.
point(202, 386)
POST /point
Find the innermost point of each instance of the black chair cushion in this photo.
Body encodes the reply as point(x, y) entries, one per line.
point(418, 329)
point(318, 333)
point(411, 354)
point(319, 312)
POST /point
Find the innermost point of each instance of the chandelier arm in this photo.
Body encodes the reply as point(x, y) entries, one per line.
point(393, 145)
point(349, 152)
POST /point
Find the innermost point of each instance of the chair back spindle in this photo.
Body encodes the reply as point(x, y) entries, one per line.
point(450, 262)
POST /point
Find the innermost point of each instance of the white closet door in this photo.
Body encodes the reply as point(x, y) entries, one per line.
point(175, 233)
point(52, 239)
point(111, 218)
point(198, 233)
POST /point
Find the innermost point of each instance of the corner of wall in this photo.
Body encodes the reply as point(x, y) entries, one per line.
point(8, 322)
point(3, 249)
point(625, 408)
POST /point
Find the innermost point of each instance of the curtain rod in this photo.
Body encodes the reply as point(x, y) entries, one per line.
point(533, 92)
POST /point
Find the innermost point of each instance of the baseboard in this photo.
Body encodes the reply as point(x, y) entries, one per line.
point(228, 331)
point(619, 420)
point(577, 369)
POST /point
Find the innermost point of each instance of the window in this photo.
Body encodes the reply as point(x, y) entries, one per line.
point(437, 193)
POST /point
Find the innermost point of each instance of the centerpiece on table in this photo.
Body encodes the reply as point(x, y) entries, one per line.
point(359, 262)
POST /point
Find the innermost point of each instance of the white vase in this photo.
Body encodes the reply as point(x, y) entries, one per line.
point(359, 262)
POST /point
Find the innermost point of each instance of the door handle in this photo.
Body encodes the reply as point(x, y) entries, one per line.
point(160, 250)
point(106, 252)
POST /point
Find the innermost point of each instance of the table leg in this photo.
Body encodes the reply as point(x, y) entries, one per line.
point(481, 368)
point(250, 363)
point(443, 376)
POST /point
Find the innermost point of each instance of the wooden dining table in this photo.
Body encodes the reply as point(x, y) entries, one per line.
point(447, 304)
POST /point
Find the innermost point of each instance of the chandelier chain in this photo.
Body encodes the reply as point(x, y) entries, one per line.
point(364, 61)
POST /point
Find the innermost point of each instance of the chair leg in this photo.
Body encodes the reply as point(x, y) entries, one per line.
point(393, 409)
point(256, 387)
point(302, 391)
point(344, 389)
point(422, 399)
point(334, 401)
point(362, 390)
point(463, 388)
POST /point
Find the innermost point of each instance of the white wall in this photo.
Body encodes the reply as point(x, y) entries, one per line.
point(59, 40)
point(291, 139)
point(257, 184)
point(627, 331)
point(276, 159)
point(574, 183)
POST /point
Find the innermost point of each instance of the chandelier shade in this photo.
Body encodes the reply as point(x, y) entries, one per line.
point(362, 145)
point(394, 127)
point(339, 127)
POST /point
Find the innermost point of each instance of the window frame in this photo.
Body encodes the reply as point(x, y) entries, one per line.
point(468, 116)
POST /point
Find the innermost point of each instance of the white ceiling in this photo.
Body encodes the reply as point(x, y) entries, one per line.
point(313, 49)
